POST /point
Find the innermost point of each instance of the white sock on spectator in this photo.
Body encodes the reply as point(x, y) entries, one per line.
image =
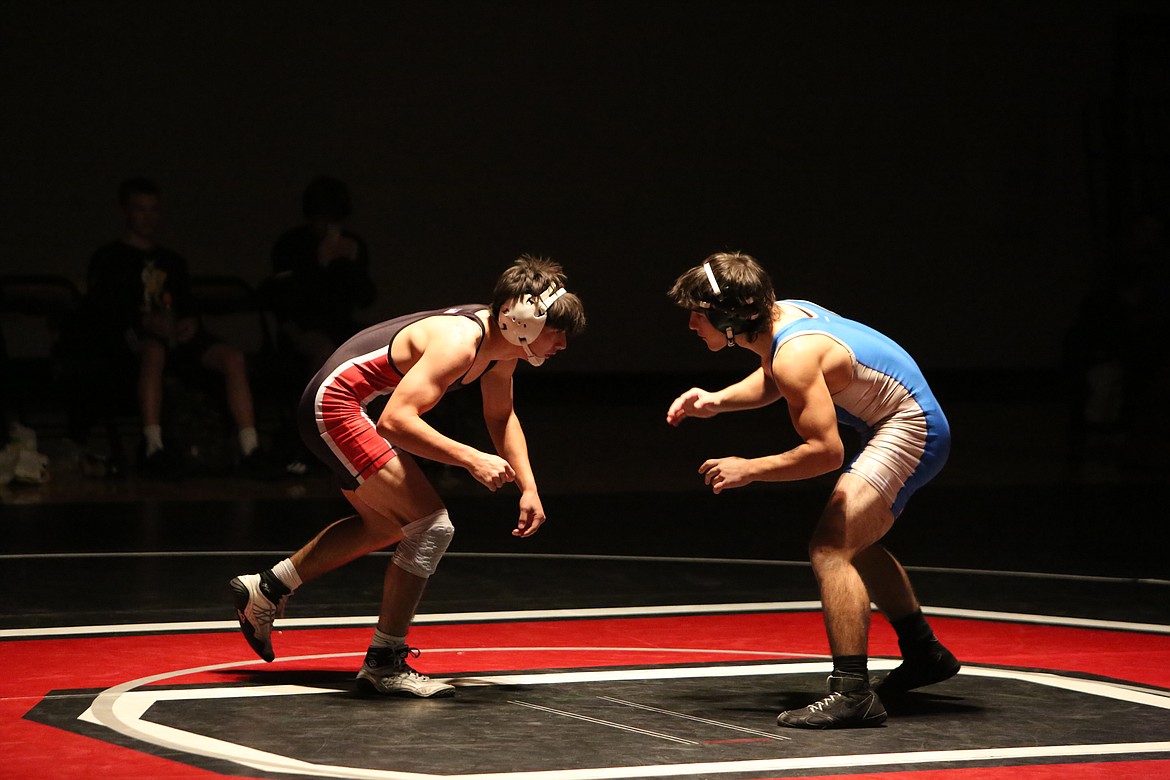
point(152, 434)
point(249, 441)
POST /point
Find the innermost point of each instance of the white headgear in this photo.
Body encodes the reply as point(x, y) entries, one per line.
point(522, 319)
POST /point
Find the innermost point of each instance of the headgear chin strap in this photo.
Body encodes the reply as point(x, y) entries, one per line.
point(522, 319)
point(730, 318)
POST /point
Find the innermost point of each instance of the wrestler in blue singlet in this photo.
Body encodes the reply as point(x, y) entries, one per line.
point(905, 435)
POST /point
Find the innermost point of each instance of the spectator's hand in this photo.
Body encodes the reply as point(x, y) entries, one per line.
point(335, 246)
point(531, 514)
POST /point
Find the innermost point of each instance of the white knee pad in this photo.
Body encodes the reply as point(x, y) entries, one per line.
point(423, 543)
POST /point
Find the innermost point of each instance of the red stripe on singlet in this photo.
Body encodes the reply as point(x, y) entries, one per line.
point(341, 416)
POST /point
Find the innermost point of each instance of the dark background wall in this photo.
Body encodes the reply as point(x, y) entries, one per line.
point(940, 169)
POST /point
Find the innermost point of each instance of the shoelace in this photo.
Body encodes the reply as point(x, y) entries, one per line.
point(412, 652)
point(403, 668)
point(817, 706)
point(266, 616)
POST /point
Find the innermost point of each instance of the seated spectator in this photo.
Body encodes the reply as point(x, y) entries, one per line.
point(140, 303)
point(320, 276)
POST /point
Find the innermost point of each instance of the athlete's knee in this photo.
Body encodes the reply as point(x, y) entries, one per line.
point(423, 543)
point(826, 557)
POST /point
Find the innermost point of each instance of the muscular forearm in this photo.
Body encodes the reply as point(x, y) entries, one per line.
point(801, 462)
point(751, 392)
point(417, 437)
point(508, 436)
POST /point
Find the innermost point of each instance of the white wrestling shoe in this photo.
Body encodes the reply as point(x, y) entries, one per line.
point(256, 613)
point(385, 671)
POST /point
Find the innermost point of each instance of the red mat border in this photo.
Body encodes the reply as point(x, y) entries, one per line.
point(34, 667)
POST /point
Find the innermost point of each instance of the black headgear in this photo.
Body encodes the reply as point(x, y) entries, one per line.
point(728, 316)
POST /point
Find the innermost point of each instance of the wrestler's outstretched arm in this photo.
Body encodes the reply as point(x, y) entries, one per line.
point(753, 391)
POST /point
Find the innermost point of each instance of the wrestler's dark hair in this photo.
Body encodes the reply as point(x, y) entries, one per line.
point(530, 275)
point(746, 295)
point(136, 185)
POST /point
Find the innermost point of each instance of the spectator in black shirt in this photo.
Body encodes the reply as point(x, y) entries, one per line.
point(140, 300)
point(320, 276)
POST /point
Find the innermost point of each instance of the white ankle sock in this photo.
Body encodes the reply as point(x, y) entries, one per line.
point(382, 639)
point(249, 441)
point(287, 573)
point(152, 435)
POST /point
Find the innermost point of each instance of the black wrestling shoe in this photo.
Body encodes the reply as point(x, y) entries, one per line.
point(851, 704)
point(920, 669)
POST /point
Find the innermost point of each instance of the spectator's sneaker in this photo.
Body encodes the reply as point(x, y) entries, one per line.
point(95, 465)
point(385, 671)
point(296, 468)
point(851, 704)
point(920, 669)
point(256, 613)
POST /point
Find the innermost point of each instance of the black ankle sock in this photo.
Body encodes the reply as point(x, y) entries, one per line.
point(271, 586)
point(851, 666)
point(913, 632)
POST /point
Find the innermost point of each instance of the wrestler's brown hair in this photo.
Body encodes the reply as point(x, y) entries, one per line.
point(745, 289)
point(530, 275)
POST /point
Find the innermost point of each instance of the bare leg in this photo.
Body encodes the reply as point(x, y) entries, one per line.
point(854, 519)
point(883, 580)
point(341, 542)
point(388, 500)
point(152, 359)
point(396, 495)
point(886, 581)
point(401, 593)
point(229, 361)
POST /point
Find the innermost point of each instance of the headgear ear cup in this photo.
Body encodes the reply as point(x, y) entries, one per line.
point(522, 319)
point(728, 318)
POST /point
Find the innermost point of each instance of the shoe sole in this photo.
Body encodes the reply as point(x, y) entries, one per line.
point(240, 598)
point(865, 723)
point(368, 686)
